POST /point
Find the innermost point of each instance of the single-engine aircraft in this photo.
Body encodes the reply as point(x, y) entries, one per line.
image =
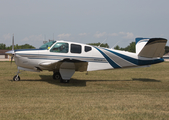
point(64, 57)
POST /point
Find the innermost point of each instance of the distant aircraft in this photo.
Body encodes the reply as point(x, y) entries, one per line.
point(64, 57)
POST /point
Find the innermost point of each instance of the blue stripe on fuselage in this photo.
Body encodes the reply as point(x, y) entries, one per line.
point(137, 61)
point(111, 62)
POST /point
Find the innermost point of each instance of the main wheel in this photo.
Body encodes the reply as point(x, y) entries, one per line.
point(16, 78)
point(56, 76)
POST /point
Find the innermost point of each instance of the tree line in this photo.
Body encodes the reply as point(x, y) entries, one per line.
point(25, 46)
point(99, 44)
point(130, 47)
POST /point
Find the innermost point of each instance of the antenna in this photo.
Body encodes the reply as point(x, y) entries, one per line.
point(44, 40)
point(44, 37)
point(53, 36)
point(115, 44)
point(102, 42)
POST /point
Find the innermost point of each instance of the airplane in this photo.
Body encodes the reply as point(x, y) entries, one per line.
point(65, 57)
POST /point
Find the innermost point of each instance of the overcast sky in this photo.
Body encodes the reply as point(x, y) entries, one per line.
point(84, 21)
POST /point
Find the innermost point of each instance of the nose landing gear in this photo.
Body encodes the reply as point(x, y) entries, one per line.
point(16, 77)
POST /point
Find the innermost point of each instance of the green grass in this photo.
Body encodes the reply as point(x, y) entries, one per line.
point(122, 94)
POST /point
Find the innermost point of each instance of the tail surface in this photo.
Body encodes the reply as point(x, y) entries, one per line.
point(150, 47)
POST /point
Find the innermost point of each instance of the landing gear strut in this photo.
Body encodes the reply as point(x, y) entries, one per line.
point(16, 77)
point(57, 76)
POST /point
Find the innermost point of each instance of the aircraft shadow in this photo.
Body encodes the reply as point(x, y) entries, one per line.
point(49, 79)
point(73, 82)
point(82, 83)
point(145, 80)
point(76, 82)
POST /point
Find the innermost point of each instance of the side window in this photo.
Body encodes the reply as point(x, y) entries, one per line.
point(87, 48)
point(60, 48)
point(76, 48)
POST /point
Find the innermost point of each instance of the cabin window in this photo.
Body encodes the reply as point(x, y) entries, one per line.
point(60, 47)
point(76, 48)
point(87, 48)
point(47, 45)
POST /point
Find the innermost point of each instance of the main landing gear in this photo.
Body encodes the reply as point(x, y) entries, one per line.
point(57, 76)
point(16, 77)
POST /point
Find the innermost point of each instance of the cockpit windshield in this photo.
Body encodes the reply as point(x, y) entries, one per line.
point(60, 47)
point(47, 45)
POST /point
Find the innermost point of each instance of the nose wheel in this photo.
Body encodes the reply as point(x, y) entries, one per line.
point(16, 78)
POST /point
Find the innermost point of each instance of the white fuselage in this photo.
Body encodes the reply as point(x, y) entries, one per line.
point(97, 58)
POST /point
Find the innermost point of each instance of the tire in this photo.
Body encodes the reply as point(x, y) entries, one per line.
point(16, 78)
point(56, 76)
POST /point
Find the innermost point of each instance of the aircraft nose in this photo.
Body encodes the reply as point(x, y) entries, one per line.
point(10, 53)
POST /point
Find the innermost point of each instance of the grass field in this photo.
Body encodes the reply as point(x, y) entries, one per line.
point(122, 94)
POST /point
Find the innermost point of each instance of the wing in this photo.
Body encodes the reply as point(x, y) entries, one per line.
point(77, 65)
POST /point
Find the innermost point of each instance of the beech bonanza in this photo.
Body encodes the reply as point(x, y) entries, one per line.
point(64, 57)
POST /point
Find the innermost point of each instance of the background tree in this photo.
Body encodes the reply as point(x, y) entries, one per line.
point(117, 47)
point(25, 46)
point(97, 44)
point(130, 48)
point(2, 46)
point(166, 49)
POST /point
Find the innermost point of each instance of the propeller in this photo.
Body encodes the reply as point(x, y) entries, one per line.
point(12, 49)
point(11, 59)
point(13, 42)
point(12, 52)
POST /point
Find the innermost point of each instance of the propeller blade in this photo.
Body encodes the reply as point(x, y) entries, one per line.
point(13, 42)
point(11, 59)
point(12, 52)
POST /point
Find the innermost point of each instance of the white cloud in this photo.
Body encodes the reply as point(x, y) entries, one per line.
point(122, 33)
point(83, 34)
point(113, 34)
point(126, 35)
point(99, 35)
point(25, 39)
point(33, 38)
point(63, 36)
point(129, 35)
point(7, 36)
